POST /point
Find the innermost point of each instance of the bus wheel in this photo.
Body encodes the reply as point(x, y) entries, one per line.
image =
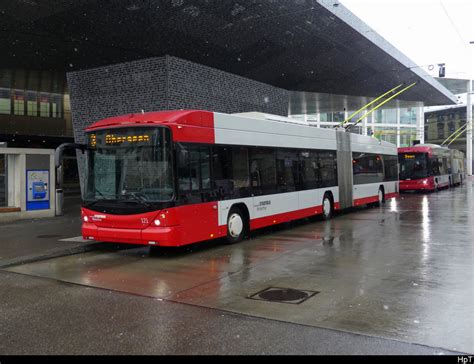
point(381, 199)
point(236, 226)
point(381, 195)
point(328, 208)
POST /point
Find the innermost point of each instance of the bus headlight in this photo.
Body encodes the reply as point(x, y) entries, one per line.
point(86, 219)
point(157, 222)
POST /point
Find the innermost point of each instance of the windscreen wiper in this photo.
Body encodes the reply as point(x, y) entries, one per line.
point(97, 199)
point(137, 196)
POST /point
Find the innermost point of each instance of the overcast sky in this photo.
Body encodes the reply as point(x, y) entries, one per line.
point(427, 31)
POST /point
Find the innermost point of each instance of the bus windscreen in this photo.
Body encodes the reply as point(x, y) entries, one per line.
point(129, 164)
point(413, 166)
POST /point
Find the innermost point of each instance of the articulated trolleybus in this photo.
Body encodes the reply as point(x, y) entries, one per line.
point(429, 167)
point(178, 177)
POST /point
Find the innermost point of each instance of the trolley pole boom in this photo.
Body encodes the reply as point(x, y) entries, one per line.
point(461, 133)
point(370, 103)
point(455, 134)
point(382, 103)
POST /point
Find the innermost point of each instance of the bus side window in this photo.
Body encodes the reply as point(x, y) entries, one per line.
point(220, 172)
point(447, 166)
point(327, 168)
point(287, 170)
point(183, 169)
point(435, 164)
point(230, 172)
point(390, 164)
point(263, 171)
point(193, 173)
point(367, 168)
point(240, 171)
point(194, 165)
point(308, 170)
point(205, 168)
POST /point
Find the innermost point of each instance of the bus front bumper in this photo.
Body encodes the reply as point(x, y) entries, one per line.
point(423, 184)
point(159, 236)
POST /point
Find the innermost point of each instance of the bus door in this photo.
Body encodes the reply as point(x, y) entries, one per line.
point(198, 212)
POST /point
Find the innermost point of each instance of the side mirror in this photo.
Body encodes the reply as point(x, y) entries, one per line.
point(58, 154)
point(59, 176)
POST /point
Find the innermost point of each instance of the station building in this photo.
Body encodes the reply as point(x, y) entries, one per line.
point(319, 66)
point(441, 123)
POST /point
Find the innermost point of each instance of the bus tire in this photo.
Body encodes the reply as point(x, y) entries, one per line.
point(328, 206)
point(381, 198)
point(381, 195)
point(236, 226)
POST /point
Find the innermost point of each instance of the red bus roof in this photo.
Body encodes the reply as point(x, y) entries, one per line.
point(415, 149)
point(190, 117)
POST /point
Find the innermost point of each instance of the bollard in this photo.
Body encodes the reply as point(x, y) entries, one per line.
point(59, 202)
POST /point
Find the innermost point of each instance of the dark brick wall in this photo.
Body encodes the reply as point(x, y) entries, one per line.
point(193, 86)
point(165, 83)
point(118, 89)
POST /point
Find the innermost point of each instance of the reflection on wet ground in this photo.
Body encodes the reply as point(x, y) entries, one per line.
point(404, 271)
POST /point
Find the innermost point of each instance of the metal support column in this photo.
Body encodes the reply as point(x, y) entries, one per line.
point(469, 128)
point(364, 126)
point(398, 125)
point(420, 124)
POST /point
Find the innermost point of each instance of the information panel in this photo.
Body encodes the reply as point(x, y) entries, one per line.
point(37, 190)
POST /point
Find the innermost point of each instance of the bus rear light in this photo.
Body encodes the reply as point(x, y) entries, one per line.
point(157, 222)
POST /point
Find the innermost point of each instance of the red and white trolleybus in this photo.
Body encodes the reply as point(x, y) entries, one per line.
point(429, 167)
point(178, 177)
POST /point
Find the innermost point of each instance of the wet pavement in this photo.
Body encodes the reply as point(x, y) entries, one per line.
point(403, 272)
point(25, 239)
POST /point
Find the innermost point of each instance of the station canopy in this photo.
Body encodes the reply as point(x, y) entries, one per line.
point(456, 85)
point(312, 46)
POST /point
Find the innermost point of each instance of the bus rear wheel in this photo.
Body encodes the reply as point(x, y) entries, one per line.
point(328, 208)
point(236, 226)
point(381, 199)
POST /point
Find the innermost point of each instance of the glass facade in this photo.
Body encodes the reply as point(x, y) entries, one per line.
point(5, 101)
point(394, 125)
point(408, 115)
point(407, 136)
point(387, 134)
point(32, 103)
point(19, 102)
point(32, 93)
point(386, 116)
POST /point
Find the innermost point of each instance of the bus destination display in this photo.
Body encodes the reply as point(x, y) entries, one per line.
point(120, 138)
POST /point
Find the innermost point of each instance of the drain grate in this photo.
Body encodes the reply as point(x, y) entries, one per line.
point(48, 236)
point(283, 295)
